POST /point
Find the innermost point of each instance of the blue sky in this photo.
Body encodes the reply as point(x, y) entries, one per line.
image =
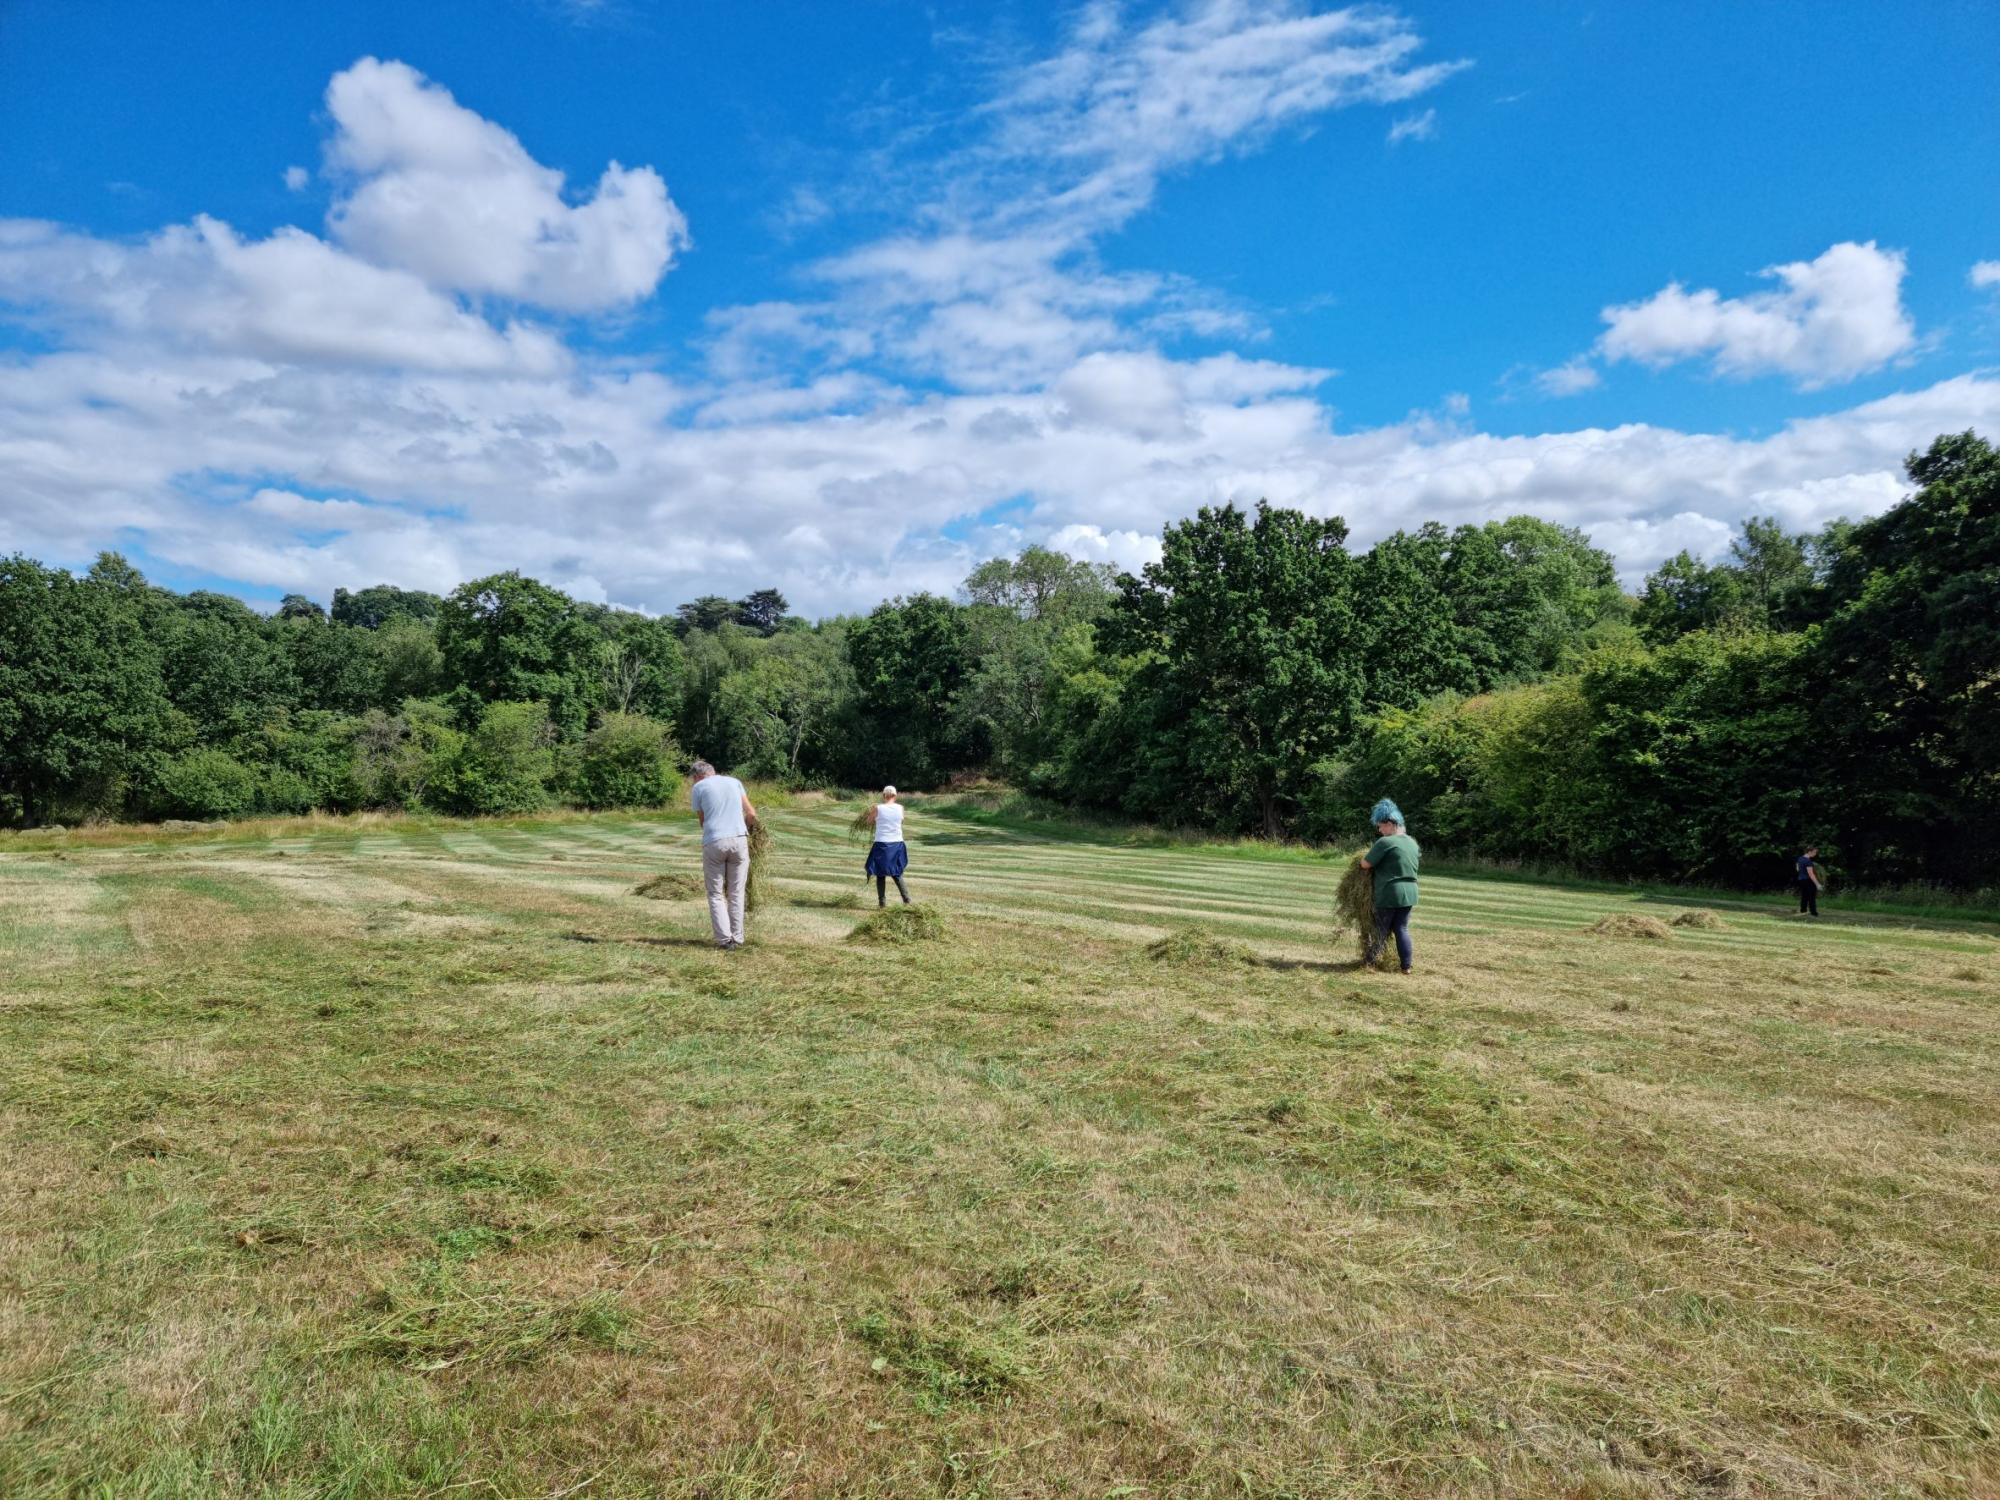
point(876, 289)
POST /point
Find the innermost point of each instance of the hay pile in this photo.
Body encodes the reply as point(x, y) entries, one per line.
point(669, 887)
point(1706, 920)
point(1623, 924)
point(1191, 948)
point(1354, 911)
point(900, 924)
point(760, 846)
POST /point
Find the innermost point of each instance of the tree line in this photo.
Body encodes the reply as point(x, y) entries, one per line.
point(1260, 677)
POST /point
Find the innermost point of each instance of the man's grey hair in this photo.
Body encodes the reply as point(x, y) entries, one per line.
point(702, 768)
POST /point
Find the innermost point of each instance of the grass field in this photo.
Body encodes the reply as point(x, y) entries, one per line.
point(385, 1158)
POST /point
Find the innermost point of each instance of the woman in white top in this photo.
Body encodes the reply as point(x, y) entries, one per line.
point(888, 856)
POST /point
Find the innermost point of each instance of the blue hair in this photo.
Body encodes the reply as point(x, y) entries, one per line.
point(1386, 812)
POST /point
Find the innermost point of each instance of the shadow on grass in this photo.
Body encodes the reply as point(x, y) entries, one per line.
point(1309, 965)
point(648, 942)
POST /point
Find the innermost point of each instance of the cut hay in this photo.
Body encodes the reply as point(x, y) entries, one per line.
point(900, 924)
point(1354, 911)
point(860, 824)
point(1623, 924)
point(760, 847)
point(1702, 918)
point(669, 887)
point(1192, 948)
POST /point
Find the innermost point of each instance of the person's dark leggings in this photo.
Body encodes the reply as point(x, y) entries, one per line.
point(882, 889)
point(1808, 898)
point(1393, 921)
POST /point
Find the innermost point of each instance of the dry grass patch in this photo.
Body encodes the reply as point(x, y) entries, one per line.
point(669, 887)
point(1192, 948)
point(1018, 1213)
point(1701, 918)
point(1630, 925)
point(914, 923)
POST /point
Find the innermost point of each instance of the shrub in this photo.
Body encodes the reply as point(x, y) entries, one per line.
point(627, 761)
point(502, 766)
point(396, 756)
point(204, 784)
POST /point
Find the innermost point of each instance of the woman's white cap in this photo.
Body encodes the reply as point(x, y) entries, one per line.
point(888, 791)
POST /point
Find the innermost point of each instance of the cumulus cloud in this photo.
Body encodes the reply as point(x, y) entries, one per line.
point(1421, 127)
point(1985, 273)
point(291, 297)
point(296, 178)
point(433, 188)
point(1829, 319)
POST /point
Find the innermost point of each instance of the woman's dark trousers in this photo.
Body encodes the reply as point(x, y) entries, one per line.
point(1393, 921)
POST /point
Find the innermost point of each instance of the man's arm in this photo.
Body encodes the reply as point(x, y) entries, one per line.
point(750, 818)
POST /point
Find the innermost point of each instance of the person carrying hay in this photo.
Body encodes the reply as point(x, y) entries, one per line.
point(888, 855)
point(723, 809)
point(1392, 861)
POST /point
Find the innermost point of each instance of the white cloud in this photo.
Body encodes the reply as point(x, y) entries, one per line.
point(999, 283)
point(1571, 378)
point(291, 297)
point(296, 178)
point(199, 389)
point(431, 187)
point(1985, 273)
point(1831, 319)
point(1421, 127)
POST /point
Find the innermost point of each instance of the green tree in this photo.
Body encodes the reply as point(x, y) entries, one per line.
point(408, 663)
point(778, 706)
point(372, 608)
point(1254, 666)
point(506, 638)
point(82, 709)
point(337, 667)
point(1774, 569)
point(1018, 609)
point(1551, 589)
point(1906, 687)
point(1042, 585)
point(225, 668)
point(709, 612)
point(645, 666)
point(910, 659)
point(1685, 594)
point(764, 611)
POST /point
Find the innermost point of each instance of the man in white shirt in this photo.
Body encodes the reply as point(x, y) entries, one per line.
point(723, 809)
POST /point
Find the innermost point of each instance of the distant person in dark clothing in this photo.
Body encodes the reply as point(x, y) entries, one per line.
point(1808, 881)
point(1392, 860)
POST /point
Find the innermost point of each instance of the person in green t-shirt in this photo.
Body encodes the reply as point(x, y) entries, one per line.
point(1392, 860)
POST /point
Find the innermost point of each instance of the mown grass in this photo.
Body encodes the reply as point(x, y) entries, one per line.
point(398, 1158)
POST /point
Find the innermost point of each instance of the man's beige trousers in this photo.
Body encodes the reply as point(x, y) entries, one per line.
point(725, 866)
